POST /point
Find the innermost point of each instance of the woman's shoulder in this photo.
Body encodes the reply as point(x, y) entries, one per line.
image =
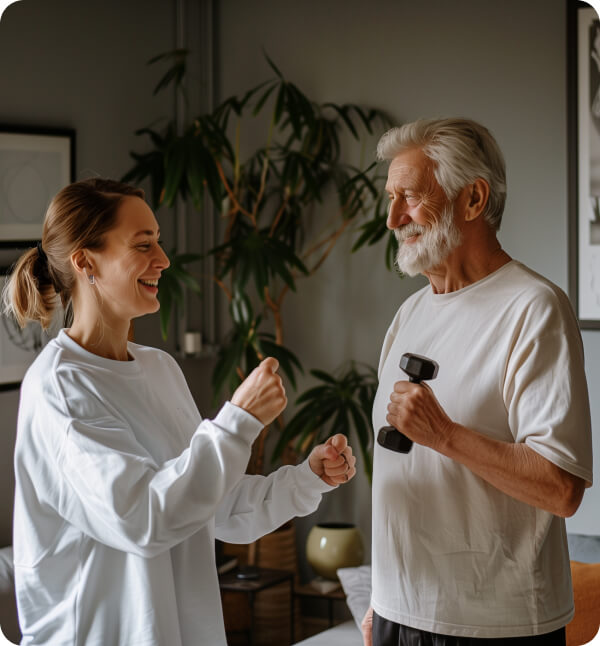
point(154, 360)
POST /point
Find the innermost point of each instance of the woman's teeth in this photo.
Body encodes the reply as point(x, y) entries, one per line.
point(150, 283)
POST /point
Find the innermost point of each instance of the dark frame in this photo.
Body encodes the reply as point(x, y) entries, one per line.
point(37, 139)
point(575, 129)
point(13, 247)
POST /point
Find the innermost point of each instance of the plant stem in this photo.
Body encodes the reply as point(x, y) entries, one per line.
point(276, 309)
point(265, 168)
point(222, 285)
point(236, 206)
point(278, 216)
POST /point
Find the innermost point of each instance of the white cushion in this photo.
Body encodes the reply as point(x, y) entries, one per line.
point(356, 582)
point(342, 635)
point(7, 576)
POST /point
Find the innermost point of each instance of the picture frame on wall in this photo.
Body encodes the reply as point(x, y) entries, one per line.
point(35, 163)
point(583, 92)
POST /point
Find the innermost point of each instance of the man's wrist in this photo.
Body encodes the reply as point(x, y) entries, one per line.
point(448, 437)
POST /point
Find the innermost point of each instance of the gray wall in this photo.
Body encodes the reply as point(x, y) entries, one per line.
point(501, 62)
point(82, 65)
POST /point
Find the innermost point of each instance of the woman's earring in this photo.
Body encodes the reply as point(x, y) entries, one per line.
point(91, 279)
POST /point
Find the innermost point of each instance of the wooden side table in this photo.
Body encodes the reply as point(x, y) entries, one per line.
point(307, 590)
point(266, 579)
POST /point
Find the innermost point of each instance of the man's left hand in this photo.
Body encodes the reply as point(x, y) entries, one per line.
point(333, 461)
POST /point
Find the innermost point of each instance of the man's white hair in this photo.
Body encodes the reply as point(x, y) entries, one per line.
point(461, 150)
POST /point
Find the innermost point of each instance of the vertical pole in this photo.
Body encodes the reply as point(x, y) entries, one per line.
point(180, 322)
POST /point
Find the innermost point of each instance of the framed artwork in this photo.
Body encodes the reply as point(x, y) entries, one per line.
point(583, 92)
point(35, 163)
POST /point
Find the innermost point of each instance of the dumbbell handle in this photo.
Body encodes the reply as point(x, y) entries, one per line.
point(417, 368)
point(390, 437)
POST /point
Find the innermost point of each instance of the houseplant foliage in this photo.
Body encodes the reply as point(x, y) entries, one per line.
point(265, 199)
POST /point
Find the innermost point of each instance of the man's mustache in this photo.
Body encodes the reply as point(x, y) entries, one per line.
point(408, 230)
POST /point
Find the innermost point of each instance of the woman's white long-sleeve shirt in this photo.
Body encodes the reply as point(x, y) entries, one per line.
point(121, 489)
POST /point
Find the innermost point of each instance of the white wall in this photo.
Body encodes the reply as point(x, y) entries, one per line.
point(502, 62)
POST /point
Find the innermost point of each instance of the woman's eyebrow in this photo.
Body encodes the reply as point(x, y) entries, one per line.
point(147, 232)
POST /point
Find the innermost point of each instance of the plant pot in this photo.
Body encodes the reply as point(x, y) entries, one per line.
point(330, 546)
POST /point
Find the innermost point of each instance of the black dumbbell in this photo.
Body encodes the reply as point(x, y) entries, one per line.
point(418, 369)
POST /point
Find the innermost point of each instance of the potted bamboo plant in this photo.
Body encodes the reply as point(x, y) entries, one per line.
point(264, 200)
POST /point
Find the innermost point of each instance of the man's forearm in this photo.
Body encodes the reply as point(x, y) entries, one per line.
point(515, 469)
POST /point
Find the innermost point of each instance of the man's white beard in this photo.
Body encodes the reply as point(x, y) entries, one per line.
point(431, 248)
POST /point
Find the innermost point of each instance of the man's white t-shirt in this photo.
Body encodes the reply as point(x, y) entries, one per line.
point(121, 489)
point(451, 553)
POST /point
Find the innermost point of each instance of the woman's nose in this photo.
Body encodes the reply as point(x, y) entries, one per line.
point(161, 259)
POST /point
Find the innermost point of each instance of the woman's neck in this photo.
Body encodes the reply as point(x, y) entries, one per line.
point(101, 339)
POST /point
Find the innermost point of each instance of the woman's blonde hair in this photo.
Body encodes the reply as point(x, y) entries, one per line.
point(78, 218)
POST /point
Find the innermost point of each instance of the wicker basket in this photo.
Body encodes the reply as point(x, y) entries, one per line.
point(276, 550)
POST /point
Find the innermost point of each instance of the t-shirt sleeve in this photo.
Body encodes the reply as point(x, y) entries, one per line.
point(545, 391)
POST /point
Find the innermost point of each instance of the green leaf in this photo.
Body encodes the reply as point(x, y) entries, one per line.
point(272, 65)
point(241, 310)
point(342, 111)
point(175, 163)
point(261, 102)
point(279, 103)
point(174, 73)
point(228, 359)
point(166, 303)
point(172, 53)
point(323, 376)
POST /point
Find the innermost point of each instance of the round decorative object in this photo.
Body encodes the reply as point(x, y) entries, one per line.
point(330, 546)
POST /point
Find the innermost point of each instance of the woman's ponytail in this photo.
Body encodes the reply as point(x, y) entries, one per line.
point(30, 294)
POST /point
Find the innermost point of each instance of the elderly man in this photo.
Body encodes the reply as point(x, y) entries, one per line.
point(469, 541)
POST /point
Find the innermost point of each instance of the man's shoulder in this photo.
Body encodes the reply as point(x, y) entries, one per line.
point(529, 285)
point(409, 305)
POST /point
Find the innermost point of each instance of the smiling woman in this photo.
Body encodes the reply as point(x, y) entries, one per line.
point(125, 272)
point(121, 487)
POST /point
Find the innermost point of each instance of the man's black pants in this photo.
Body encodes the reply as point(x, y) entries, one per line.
point(388, 633)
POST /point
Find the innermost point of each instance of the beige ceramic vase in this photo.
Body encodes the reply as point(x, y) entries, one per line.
point(330, 546)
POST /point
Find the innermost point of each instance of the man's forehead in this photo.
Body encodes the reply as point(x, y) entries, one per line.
point(407, 168)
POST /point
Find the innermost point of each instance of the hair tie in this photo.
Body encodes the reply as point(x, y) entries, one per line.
point(42, 254)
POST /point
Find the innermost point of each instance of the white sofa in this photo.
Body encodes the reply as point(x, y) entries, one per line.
point(346, 634)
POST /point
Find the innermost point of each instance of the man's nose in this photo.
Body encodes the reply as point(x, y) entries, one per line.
point(397, 215)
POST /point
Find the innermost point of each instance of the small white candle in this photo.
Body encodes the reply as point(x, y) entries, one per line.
point(192, 343)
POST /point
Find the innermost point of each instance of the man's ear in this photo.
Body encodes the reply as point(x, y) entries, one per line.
point(477, 197)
